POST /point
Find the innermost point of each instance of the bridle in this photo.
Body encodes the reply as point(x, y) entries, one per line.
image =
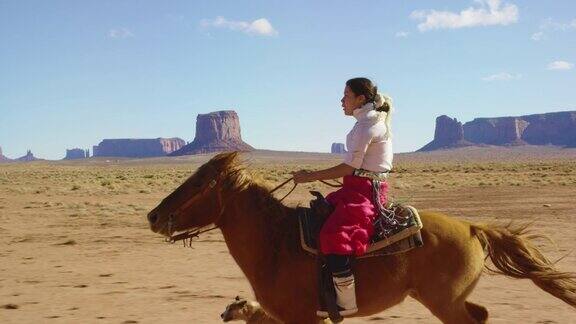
point(190, 234)
point(187, 236)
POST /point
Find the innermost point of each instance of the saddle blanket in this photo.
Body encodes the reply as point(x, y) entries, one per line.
point(398, 239)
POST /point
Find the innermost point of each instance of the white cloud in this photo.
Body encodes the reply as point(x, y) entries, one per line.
point(262, 27)
point(537, 36)
point(490, 12)
point(402, 34)
point(120, 33)
point(257, 27)
point(560, 65)
point(502, 76)
point(550, 25)
point(554, 25)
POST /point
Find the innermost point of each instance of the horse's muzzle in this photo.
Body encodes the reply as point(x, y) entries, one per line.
point(225, 317)
point(152, 217)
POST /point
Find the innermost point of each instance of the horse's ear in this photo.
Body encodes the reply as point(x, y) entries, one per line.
point(231, 157)
point(226, 159)
point(237, 297)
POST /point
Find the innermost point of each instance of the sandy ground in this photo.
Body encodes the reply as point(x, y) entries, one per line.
point(86, 255)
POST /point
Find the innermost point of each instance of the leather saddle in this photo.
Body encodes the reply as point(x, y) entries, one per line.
point(397, 229)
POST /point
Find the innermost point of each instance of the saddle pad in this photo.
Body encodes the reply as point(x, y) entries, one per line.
point(401, 241)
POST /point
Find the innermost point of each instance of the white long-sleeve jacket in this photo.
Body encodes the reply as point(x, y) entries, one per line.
point(368, 144)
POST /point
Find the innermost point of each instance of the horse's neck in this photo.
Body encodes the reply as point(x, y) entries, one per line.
point(248, 227)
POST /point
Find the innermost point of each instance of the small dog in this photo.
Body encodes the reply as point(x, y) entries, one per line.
point(247, 310)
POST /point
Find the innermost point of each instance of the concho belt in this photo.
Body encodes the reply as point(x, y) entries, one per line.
point(380, 176)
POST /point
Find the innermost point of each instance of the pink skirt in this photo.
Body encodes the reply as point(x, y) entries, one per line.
point(348, 230)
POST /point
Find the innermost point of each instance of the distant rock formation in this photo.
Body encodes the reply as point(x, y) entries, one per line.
point(2, 157)
point(217, 131)
point(76, 153)
point(496, 131)
point(137, 148)
point(338, 148)
point(449, 133)
point(28, 157)
point(557, 128)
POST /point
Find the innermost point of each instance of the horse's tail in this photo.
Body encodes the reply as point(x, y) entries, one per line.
point(512, 251)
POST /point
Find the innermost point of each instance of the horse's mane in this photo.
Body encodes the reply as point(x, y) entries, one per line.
point(279, 218)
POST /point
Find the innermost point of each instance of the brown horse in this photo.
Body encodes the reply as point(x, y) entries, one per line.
point(262, 236)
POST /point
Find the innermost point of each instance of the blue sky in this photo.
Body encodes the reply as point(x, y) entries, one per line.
point(75, 72)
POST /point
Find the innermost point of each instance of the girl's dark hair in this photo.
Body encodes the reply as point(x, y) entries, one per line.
point(363, 86)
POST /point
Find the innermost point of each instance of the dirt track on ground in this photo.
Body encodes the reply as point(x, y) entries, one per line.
point(76, 248)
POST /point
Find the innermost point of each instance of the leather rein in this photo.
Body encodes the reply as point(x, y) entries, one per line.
point(187, 236)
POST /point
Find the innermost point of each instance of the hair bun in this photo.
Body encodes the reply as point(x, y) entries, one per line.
point(382, 102)
point(379, 100)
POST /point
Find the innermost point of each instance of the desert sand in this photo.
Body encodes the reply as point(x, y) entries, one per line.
point(76, 248)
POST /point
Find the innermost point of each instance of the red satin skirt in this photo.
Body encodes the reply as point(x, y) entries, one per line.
point(348, 230)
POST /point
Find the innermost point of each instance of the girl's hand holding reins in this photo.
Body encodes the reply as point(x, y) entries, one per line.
point(302, 176)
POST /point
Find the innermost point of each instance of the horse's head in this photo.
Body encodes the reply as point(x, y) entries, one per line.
point(198, 201)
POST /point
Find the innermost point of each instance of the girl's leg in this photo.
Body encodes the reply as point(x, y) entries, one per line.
point(343, 279)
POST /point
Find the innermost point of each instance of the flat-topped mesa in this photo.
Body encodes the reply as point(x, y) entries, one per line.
point(217, 131)
point(553, 128)
point(137, 148)
point(496, 131)
point(76, 154)
point(557, 128)
point(449, 133)
point(338, 148)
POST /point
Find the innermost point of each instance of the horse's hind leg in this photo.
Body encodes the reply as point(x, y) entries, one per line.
point(450, 313)
point(453, 310)
point(480, 313)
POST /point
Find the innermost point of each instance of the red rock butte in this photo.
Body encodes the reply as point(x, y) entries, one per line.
point(338, 148)
point(76, 153)
point(217, 131)
point(137, 148)
point(28, 157)
point(557, 128)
